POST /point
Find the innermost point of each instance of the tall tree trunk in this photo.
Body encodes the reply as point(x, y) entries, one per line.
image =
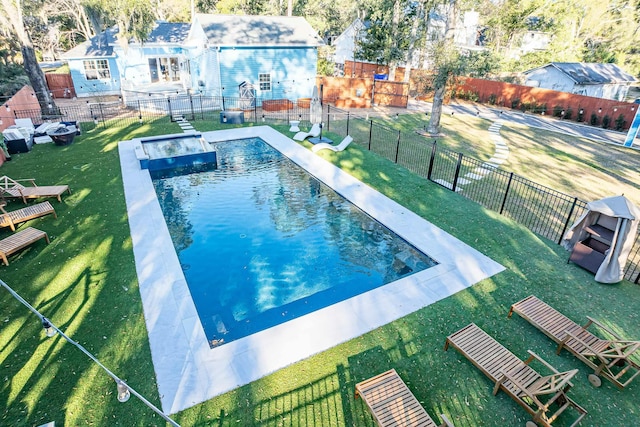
point(436, 110)
point(442, 77)
point(30, 62)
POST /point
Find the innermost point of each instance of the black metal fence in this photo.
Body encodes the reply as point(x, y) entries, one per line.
point(547, 212)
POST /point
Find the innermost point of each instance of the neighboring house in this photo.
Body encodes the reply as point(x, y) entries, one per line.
point(466, 36)
point(606, 81)
point(276, 55)
point(345, 43)
point(270, 56)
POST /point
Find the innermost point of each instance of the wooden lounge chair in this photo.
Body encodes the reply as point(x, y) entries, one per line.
point(20, 240)
point(392, 404)
point(324, 146)
point(10, 219)
point(610, 359)
point(532, 391)
point(12, 188)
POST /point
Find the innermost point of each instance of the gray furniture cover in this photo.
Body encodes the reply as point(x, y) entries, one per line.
point(627, 215)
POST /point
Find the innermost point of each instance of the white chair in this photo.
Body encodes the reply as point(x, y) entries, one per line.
point(324, 146)
point(313, 132)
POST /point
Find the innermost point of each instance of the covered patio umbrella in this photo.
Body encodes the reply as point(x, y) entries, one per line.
point(620, 217)
point(315, 116)
point(315, 108)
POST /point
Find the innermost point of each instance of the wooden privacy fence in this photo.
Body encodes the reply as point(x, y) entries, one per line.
point(606, 113)
point(60, 85)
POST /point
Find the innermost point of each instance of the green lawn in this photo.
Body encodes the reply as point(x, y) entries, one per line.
point(85, 282)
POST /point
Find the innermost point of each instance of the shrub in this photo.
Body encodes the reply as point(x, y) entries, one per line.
point(557, 111)
point(568, 113)
point(492, 99)
point(580, 115)
point(620, 122)
point(515, 102)
point(606, 121)
point(594, 119)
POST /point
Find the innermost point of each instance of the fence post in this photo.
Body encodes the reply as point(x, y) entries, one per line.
point(397, 146)
point(193, 114)
point(432, 158)
point(139, 112)
point(328, 113)
point(566, 223)
point(101, 114)
point(223, 107)
point(370, 131)
point(506, 193)
point(170, 112)
point(348, 115)
point(201, 107)
point(457, 174)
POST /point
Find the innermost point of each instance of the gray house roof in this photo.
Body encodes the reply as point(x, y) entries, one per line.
point(590, 73)
point(97, 46)
point(245, 30)
point(169, 32)
point(102, 44)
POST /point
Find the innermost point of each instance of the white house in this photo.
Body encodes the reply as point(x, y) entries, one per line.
point(606, 81)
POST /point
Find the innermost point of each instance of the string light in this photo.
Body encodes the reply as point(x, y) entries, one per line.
point(124, 390)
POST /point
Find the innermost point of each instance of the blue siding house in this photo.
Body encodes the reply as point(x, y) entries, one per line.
point(277, 55)
point(272, 57)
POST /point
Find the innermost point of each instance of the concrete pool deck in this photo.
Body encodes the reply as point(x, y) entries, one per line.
point(188, 371)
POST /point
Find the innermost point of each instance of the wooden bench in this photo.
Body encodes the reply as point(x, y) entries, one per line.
point(608, 358)
point(392, 404)
point(20, 240)
point(532, 391)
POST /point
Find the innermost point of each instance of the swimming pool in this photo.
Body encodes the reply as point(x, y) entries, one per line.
point(262, 242)
point(188, 371)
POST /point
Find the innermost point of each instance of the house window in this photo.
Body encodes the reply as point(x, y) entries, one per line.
point(265, 81)
point(95, 69)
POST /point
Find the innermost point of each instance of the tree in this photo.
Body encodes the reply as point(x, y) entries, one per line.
point(14, 19)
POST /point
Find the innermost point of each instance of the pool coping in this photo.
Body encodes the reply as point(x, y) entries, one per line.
point(188, 371)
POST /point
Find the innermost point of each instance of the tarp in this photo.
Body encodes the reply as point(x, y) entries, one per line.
point(625, 216)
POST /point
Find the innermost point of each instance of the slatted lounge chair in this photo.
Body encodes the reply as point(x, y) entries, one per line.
point(12, 188)
point(531, 390)
point(610, 359)
point(10, 219)
point(392, 404)
point(313, 132)
point(20, 240)
point(324, 146)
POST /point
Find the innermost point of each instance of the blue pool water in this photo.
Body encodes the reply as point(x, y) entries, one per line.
point(262, 242)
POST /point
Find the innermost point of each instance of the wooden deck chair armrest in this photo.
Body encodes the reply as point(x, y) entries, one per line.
point(31, 180)
point(603, 327)
point(445, 421)
point(533, 355)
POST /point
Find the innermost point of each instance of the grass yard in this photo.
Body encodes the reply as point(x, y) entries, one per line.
point(85, 282)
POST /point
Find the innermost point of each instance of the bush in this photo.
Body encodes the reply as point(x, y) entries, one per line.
point(594, 119)
point(492, 99)
point(557, 111)
point(515, 102)
point(568, 113)
point(620, 122)
point(580, 115)
point(606, 121)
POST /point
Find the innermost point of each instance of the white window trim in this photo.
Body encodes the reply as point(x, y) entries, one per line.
point(260, 82)
point(96, 69)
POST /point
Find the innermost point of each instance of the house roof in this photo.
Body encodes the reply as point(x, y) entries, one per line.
point(590, 73)
point(246, 30)
point(169, 32)
point(97, 46)
point(102, 44)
